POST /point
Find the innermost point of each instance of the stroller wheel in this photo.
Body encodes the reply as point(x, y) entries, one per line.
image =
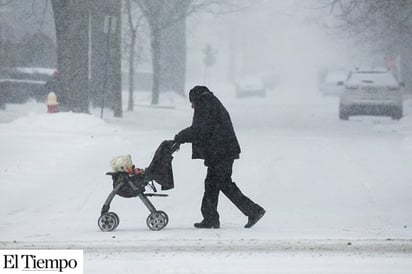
point(157, 220)
point(108, 221)
point(116, 219)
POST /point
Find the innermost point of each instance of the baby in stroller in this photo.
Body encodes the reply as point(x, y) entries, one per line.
point(129, 181)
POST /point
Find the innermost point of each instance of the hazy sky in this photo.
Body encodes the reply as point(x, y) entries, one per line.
point(273, 35)
point(277, 35)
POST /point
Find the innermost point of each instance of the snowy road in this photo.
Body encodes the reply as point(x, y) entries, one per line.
point(337, 193)
point(189, 255)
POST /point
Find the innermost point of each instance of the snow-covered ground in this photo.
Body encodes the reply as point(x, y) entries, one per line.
point(338, 194)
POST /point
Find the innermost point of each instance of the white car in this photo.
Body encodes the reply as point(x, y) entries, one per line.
point(250, 86)
point(371, 92)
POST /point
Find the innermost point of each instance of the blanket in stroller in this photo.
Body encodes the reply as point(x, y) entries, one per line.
point(160, 169)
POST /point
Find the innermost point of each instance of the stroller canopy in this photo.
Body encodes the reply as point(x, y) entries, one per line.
point(160, 169)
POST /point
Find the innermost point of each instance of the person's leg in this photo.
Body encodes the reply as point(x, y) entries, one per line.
point(234, 194)
point(241, 201)
point(210, 200)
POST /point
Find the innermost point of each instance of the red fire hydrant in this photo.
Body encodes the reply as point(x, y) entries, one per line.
point(52, 105)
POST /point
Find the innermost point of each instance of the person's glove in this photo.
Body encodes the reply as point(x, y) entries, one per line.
point(175, 146)
point(178, 140)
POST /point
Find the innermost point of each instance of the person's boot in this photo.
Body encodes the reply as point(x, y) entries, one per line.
point(207, 224)
point(253, 219)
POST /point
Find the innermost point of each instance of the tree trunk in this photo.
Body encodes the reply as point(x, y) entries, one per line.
point(156, 49)
point(97, 60)
point(132, 54)
point(72, 36)
point(181, 73)
point(174, 57)
point(406, 65)
point(116, 56)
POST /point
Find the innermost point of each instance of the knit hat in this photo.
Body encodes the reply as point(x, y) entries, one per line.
point(197, 92)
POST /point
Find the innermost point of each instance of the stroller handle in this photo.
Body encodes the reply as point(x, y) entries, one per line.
point(174, 147)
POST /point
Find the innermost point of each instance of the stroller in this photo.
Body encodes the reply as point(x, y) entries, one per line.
point(131, 182)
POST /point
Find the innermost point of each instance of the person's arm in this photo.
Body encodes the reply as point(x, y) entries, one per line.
point(198, 128)
point(184, 136)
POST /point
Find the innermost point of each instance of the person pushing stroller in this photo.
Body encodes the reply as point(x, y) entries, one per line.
point(214, 140)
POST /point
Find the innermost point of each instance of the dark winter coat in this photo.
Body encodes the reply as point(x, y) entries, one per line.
point(211, 133)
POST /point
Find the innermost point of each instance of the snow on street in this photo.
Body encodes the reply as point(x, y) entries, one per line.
point(337, 193)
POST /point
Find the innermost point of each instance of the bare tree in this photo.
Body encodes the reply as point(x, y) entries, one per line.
point(134, 28)
point(159, 15)
point(381, 23)
point(163, 14)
